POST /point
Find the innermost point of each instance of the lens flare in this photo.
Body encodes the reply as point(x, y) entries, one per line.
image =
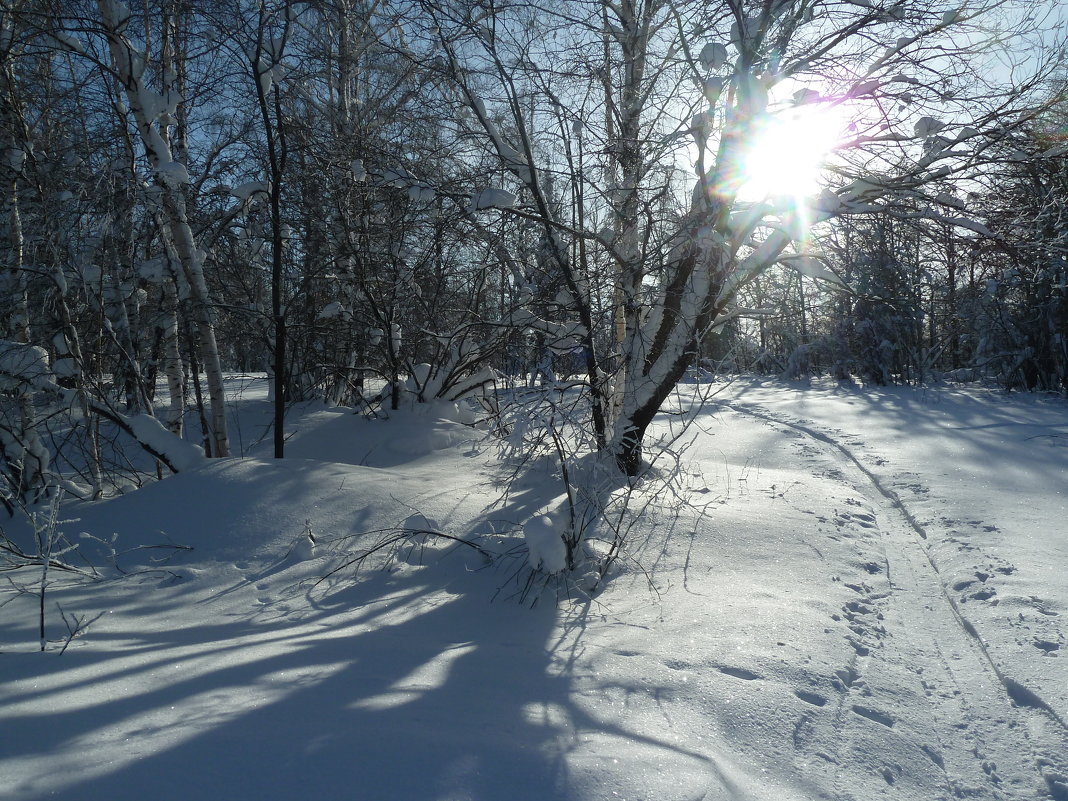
point(787, 153)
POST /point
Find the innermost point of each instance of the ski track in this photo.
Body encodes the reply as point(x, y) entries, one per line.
point(988, 735)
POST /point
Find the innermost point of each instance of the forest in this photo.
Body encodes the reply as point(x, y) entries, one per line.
point(544, 400)
point(445, 198)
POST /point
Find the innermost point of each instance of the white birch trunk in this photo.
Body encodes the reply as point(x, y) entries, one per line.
point(22, 446)
point(72, 350)
point(172, 355)
point(128, 66)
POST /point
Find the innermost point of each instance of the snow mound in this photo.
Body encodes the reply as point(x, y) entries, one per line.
point(441, 435)
point(182, 455)
point(422, 432)
point(544, 537)
point(21, 363)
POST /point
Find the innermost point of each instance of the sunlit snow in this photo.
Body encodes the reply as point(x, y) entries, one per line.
point(854, 595)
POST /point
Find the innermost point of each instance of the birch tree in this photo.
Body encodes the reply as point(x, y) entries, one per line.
point(27, 83)
point(153, 112)
point(650, 85)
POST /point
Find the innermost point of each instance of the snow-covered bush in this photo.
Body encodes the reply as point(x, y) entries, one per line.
point(546, 535)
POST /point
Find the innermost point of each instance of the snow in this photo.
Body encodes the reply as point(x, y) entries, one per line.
point(66, 40)
point(16, 158)
point(115, 13)
point(23, 364)
point(928, 126)
point(247, 190)
point(866, 87)
point(965, 222)
point(182, 455)
point(155, 105)
point(398, 177)
point(421, 194)
point(152, 270)
point(713, 56)
point(813, 268)
point(827, 201)
point(543, 537)
point(173, 173)
point(264, 77)
point(862, 597)
point(513, 159)
point(492, 198)
point(65, 368)
point(333, 310)
point(947, 199)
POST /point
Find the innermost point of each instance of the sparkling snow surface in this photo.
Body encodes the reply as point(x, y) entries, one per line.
point(866, 600)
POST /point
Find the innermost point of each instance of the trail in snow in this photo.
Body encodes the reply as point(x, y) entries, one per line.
point(917, 625)
point(792, 638)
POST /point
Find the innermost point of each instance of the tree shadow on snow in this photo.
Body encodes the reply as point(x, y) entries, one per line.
point(429, 695)
point(985, 426)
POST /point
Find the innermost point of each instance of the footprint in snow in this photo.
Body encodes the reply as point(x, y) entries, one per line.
point(874, 714)
point(934, 755)
point(847, 676)
point(984, 594)
point(738, 673)
point(810, 697)
point(676, 664)
point(858, 607)
point(1042, 608)
point(861, 519)
point(859, 647)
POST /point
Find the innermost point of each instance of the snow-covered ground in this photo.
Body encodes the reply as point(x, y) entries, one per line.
point(865, 598)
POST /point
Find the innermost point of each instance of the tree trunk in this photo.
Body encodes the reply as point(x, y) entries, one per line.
point(193, 267)
point(128, 67)
point(23, 450)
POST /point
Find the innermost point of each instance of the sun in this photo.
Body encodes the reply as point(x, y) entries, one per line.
point(786, 156)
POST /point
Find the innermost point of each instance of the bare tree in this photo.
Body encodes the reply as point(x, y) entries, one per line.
point(649, 85)
point(152, 112)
